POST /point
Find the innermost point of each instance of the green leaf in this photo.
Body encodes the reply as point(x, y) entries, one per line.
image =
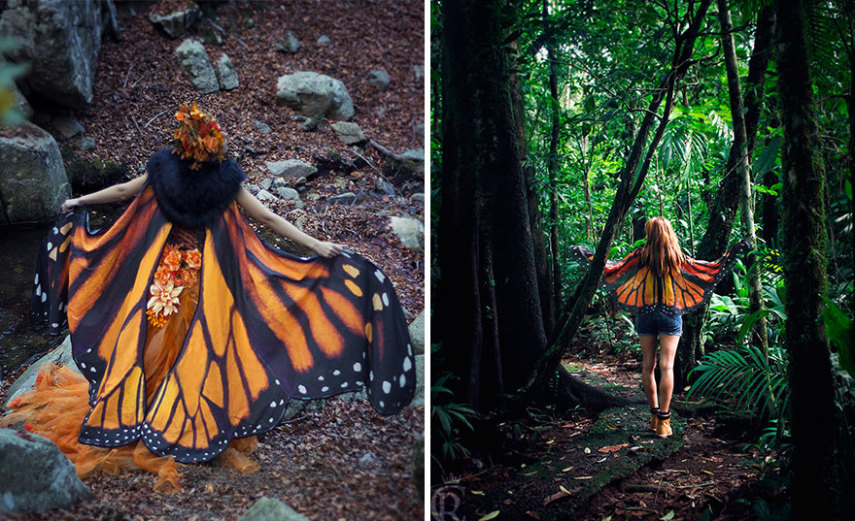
point(768, 157)
point(750, 320)
point(492, 515)
point(666, 517)
point(763, 190)
point(840, 332)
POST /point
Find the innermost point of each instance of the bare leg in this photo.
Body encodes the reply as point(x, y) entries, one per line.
point(648, 364)
point(668, 351)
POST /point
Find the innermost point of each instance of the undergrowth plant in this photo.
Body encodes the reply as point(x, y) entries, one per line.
point(448, 417)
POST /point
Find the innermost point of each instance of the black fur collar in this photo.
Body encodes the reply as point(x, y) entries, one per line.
point(193, 198)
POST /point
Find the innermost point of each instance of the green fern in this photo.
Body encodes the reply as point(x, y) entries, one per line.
point(743, 383)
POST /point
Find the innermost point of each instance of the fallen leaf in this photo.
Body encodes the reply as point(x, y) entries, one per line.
point(562, 489)
point(584, 477)
point(478, 492)
point(666, 517)
point(612, 448)
point(492, 515)
point(555, 497)
point(568, 469)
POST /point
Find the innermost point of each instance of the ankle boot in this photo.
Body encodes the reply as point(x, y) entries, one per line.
point(663, 429)
point(654, 422)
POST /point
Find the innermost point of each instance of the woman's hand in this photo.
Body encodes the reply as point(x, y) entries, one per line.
point(328, 249)
point(69, 204)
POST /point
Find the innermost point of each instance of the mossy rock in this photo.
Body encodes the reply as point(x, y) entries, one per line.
point(89, 175)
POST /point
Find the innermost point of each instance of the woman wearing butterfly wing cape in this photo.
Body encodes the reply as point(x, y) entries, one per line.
point(659, 284)
point(190, 332)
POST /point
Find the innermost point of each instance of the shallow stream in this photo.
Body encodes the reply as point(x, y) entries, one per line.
point(20, 339)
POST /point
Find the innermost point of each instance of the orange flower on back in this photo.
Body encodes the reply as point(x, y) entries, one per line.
point(198, 136)
point(193, 258)
point(172, 259)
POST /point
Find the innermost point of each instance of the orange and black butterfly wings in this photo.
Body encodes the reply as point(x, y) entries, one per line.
point(268, 327)
point(636, 289)
point(109, 276)
point(272, 327)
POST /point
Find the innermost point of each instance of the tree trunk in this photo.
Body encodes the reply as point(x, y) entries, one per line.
point(541, 259)
point(814, 466)
point(488, 312)
point(552, 168)
point(629, 186)
point(724, 206)
point(590, 229)
point(740, 148)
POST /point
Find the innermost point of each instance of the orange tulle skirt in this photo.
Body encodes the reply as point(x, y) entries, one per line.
point(57, 406)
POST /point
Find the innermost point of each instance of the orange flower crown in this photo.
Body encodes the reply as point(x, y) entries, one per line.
point(198, 136)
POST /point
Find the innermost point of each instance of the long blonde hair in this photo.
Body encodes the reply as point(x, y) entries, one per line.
point(662, 252)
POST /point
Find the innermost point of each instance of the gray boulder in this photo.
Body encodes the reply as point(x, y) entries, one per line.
point(264, 195)
point(291, 168)
point(35, 475)
point(176, 23)
point(419, 398)
point(349, 133)
point(345, 198)
point(60, 39)
point(226, 74)
point(287, 193)
point(410, 231)
point(378, 78)
point(291, 45)
point(194, 63)
point(315, 95)
point(61, 355)
point(33, 182)
point(268, 509)
point(417, 334)
point(414, 160)
point(68, 126)
point(261, 126)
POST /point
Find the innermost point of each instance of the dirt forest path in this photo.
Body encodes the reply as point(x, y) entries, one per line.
point(339, 459)
point(611, 467)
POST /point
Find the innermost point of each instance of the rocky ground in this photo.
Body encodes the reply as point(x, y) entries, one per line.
point(139, 85)
point(340, 460)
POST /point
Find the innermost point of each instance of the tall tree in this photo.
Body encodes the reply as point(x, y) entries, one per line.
point(723, 209)
point(742, 170)
point(552, 167)
point(813, 487)
point(488, 313)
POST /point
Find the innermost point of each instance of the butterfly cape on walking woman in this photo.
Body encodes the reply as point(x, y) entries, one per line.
point(636, 289)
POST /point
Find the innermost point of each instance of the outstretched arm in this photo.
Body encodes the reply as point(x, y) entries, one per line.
point(111, 194)
point(262, 214)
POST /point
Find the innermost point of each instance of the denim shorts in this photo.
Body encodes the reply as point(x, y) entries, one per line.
point(658, 323)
